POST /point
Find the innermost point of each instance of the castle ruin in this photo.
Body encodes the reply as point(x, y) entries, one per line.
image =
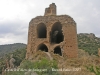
point(52, 33)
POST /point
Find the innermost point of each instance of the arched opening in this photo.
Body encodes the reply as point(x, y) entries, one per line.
point(41, 31)
point(57, 50)
point(42, 47)
point(56, 33)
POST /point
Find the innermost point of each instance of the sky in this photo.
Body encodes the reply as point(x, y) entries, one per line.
point(15, 16)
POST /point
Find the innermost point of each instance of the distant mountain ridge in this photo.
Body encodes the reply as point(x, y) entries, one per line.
point(90, 35)
point(88, 42)
point(8, 48)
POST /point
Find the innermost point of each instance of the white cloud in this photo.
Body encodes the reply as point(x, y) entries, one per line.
point(11, 38)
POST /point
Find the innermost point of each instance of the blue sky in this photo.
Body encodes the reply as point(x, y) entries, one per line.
point(16, 14)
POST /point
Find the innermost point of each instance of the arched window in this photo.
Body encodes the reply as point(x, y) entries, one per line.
point(56, 33)
point(57, 50)
point(41, 31)
point(42, 47)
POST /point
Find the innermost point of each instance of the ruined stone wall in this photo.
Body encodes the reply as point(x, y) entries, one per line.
point(51, 10)
point(69, 32)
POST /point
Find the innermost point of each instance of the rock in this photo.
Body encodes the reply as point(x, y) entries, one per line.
point(11, 61)
point(49, 55)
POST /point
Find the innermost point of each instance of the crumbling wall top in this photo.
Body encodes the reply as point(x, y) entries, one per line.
point(63, 18)
point(51, 10)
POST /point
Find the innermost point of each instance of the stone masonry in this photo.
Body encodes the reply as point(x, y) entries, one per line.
point(52, 33)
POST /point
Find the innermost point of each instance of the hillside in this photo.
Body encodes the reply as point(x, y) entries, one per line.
point(18, 55)
point(76, 66)
point(5, 49)
point(88, 42)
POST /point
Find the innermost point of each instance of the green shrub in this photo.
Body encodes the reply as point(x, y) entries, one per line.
point(15, 73)
point(43, 64)
point(94, 69)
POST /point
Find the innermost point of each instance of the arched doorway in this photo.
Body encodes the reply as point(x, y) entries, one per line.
point(41, 30)
point(57, 50)
point(56, 33)
point(42, 47)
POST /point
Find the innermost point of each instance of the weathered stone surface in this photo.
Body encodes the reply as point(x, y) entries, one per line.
point(7, 63)
point(11, 62)
point(3, 71)
point(49, 55)
point(51, 10)
point(42, 29)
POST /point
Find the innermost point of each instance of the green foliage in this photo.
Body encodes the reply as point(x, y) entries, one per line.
point(43, 64)
point(89, 44)
point(5, 49)
point(26, 64)
point(1, 64)
point(46, 64)
point(85, 42)
point(94, 69)
point(15, 73)
point(18, 55)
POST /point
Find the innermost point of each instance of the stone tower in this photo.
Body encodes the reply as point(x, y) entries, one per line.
point(52, 33)
point(51, 10)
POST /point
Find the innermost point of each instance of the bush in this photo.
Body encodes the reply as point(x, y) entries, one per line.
point(43, 64)
point(94, 69)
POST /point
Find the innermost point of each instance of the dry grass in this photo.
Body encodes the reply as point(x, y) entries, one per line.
point(83, 60)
